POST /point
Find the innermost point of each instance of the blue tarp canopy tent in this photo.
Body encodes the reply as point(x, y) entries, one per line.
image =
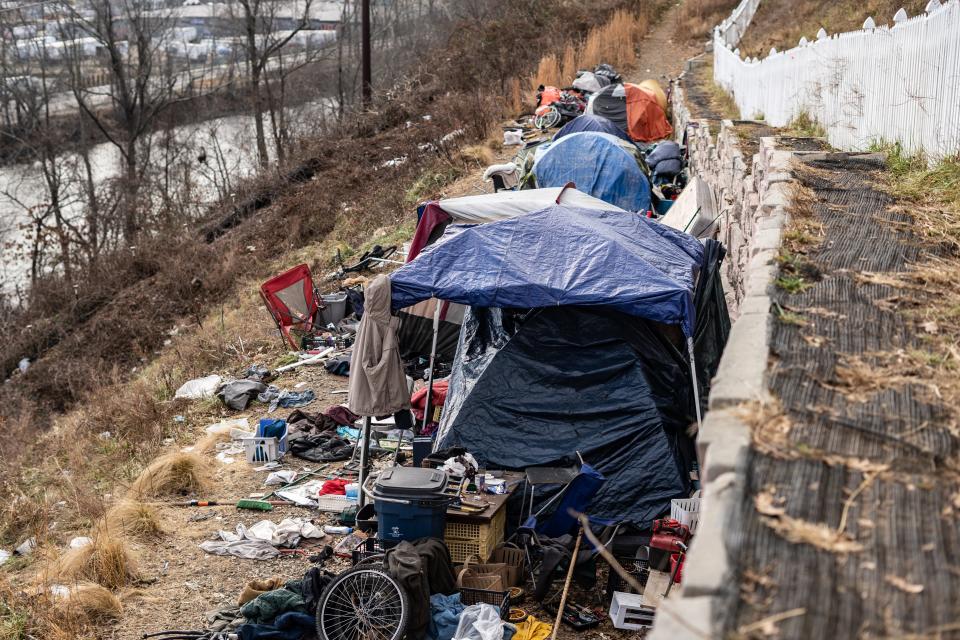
point(589, 367)
point(598, 165)
point(591, 123)
point(560, 256)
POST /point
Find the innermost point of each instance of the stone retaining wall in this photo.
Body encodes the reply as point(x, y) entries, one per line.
point(752, 195)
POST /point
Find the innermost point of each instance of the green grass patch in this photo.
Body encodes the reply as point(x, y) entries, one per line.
point(789, 317)
point(792, 284)
point(430, 183)
point(805, 126)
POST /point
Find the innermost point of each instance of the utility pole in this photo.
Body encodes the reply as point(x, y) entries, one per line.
point(367, 88)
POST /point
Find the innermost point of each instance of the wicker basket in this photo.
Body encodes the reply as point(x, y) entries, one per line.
point(482, 576)
point(514, 558)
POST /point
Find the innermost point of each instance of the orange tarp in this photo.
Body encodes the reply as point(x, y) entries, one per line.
point(646, 121)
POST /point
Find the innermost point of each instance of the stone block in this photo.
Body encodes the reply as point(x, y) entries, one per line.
point(755, 304)
point(760, 279)
point(777, 195)
point(766, 240)
point(709, 568)
point(682, 618)
point(740, 377)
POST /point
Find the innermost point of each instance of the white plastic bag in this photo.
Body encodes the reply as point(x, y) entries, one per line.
point(479, 622)
point(199, 388)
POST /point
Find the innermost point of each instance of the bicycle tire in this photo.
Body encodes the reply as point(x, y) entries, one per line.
point(372, 561)
point(363, 603)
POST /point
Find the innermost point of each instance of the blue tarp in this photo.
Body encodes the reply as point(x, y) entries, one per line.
point(591, 123)
point(597, 164)
point(561, 256)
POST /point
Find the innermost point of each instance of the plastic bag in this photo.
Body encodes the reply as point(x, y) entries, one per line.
point(479, 622)
point(199, 388)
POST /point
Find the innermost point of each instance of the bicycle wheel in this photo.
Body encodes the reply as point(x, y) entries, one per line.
point(362, 603)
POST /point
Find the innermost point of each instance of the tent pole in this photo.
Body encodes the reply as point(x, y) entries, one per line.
point(693, 377)
point(433, 363)
point(364, 460)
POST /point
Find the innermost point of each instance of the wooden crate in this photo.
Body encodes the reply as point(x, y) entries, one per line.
point(466, 539)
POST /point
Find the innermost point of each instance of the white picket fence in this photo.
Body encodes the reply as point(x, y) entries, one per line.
point(893, 84)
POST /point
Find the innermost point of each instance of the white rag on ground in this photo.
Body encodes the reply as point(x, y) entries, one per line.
point(261, 540)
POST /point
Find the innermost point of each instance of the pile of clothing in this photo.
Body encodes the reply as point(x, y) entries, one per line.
point(271, 609)
point(314, 437)
point(262, 540)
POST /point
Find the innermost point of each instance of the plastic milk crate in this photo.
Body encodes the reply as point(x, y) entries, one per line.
point(260, 449)
point(686, 511)
point(468, 539)
point(627, 611)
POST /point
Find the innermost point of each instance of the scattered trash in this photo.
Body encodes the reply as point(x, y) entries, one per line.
point(199, 388)
point(229, 426)
point(80, 542)
point(4, 556)
point(281, 477)
point(104, 435)
point(26, 547)
point(303, 495)
point(23, 365)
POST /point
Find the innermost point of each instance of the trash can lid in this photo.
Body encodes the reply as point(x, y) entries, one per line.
point(411, 481)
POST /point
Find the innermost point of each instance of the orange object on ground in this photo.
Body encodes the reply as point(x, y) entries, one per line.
point(548, 96)
point(646, 121)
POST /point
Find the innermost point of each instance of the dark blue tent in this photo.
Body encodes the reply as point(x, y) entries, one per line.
point(592, 123)
point(598, 164)
point(561, 256)
point(531, 389)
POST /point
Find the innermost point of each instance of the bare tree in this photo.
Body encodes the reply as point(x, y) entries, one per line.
point(129, 38)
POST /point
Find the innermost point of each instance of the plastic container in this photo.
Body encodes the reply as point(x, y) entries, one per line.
point(353, 492)
point(675, 560)
point(336, 308)
point(262, 449)
point(627, 611)
point(686, 511)
point(410, 503)
point(367, 519)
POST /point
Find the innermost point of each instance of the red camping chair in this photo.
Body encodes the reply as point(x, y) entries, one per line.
point(293, 302)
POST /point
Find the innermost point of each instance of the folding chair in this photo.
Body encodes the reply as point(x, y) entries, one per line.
point(293, 303)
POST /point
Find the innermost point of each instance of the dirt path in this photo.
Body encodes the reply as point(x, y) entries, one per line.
point(661, 56)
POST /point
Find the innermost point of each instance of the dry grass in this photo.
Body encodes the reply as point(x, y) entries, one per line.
point(614, 43)
point(93, 602)
point(175, 473)
point(798, 531)
point(107, 561)
point(516, 104)
point(548, 73)
point(781, 23)
point(37, 615)
point(480, 154)
point(134, 519)
point(696, 18)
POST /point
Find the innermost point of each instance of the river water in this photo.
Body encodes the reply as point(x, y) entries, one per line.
point(229, 146)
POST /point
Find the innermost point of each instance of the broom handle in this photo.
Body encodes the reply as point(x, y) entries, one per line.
point(566, 585)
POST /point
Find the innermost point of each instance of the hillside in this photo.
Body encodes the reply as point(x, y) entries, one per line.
point(781, 23)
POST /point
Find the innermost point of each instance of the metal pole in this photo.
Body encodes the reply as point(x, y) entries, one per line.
point(367, 81)
point(433, 363)
point(364, 460)
point(696, 389)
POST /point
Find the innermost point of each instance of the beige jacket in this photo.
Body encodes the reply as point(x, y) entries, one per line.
point(378, 386)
